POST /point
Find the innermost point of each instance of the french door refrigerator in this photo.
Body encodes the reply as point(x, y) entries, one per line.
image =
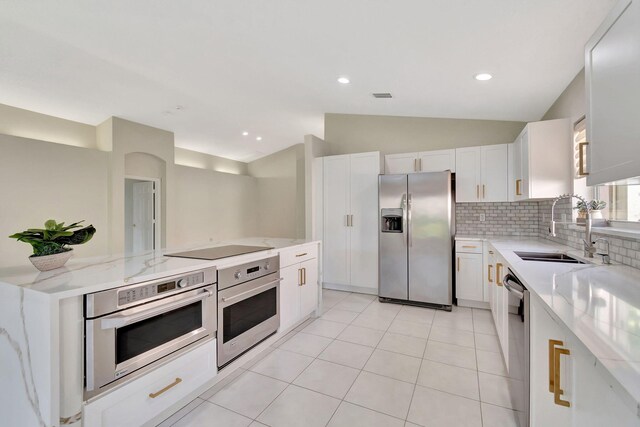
point(416, 228)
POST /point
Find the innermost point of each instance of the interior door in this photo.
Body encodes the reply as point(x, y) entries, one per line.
point(143, 217)
point(494, 160)
point(336, 208)
point(364, 171)
point(430, 237)
point(468, 174)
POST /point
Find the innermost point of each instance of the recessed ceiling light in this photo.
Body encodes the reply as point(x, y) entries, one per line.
point(245, 133)
point(258, 138)
point(343, 80)
point(483, 76)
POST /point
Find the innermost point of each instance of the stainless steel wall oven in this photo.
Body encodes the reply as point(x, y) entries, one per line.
point(131, 329)
point(248, 306)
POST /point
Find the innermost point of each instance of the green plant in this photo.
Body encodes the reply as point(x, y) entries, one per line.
point(55, 237)
point(593, 205)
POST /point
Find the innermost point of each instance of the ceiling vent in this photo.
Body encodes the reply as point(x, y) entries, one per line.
point(382, 95)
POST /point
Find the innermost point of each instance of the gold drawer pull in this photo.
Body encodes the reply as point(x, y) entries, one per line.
point(470, 247)
point(498, 274)
point(299, 255)
point(489, 273)
point(554, 371)
point(159, 392)
point(458, 263)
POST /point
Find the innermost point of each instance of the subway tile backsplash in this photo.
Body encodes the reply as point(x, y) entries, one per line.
point(532, 219)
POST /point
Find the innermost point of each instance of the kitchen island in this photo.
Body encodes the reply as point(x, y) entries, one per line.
point(42, 326)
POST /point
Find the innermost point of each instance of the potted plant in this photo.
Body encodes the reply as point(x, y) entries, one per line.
point(593, 206)
point(51, 244)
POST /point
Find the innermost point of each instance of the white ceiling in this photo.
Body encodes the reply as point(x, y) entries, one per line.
point(270, 67)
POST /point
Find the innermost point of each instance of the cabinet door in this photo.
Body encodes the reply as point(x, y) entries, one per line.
point(289, 296)
point(494, 161)
point(612, 73)
point(309, 288)
point(437, 161)
point(401, 163)
point(336, 209)
point(468, 174)
point(544, 411)
point(363, 229)
point(488, 274)
point(516, 163)
point(469, 277)
point(525, 185)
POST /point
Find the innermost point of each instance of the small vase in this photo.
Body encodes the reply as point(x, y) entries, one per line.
point(596, 214)
point(50, 262)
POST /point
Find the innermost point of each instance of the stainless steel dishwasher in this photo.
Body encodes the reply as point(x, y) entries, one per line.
point(519, 344)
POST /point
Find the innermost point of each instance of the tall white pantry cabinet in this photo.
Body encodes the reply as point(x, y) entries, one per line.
point(350, 221)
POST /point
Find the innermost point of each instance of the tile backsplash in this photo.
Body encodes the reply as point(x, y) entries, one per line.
point(500, 219)
point(532, 219)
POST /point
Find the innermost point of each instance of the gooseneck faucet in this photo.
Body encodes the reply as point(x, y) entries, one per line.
point(589, 246)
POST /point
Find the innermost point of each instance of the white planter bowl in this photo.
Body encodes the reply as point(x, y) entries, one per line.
point(50, 262)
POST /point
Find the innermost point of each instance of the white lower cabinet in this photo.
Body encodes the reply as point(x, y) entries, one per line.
point(469, 282)
point(299, 285)
point(584, 396)
point(143, 399)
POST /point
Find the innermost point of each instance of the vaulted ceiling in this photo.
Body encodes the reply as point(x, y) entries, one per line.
point(209, 70)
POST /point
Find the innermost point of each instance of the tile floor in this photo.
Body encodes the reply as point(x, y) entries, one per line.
point(365, 363)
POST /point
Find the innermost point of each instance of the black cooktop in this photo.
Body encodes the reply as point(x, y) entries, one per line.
point(219, 252)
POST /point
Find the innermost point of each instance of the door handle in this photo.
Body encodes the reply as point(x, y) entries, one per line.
point(259, 288)
point(419, 165)
point(483, 196)
point(304, 275)
point(409, 236)
point(478, 191)
point(555, 351)
point(498, 273)
point(581, 168)
point(299, 277)
point(518, 189)
point(351, 220)
point(489, 273)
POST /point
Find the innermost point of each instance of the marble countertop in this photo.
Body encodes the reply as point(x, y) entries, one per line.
point(599, 304)
point(85, 275)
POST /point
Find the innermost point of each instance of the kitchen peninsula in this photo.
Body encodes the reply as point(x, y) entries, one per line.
point(42, 317)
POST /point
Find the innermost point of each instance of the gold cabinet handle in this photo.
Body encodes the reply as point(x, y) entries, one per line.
point(477, 191)
point(469, 247)
point(490, 252)
point(581, 170)
point(498, 274)
point(458, 263)
point(302, 254)
point(489, 273)
point(554, 371)
point(299, 277)
point(483, 196)
point(304, 276)
point(518, 189)
point(159, 392)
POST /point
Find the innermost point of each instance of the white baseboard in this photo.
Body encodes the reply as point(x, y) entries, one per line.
point(349, 288)
point(473, 304)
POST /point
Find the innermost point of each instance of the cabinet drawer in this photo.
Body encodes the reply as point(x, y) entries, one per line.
point(469, 246)
point(143, 399)
point(298, 254)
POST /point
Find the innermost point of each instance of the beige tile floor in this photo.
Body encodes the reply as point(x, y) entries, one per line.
point(365, 363)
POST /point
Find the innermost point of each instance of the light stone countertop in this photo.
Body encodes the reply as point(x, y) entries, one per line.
point(599, 304)
point(85, 275)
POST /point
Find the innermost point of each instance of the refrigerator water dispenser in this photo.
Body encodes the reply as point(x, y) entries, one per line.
point(391, 221)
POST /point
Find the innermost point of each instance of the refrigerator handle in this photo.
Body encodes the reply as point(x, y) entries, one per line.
point(409, 220)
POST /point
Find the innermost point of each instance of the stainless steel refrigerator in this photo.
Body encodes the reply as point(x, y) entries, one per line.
point(416, 228)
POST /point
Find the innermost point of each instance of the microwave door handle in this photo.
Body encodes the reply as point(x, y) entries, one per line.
point(118, 321)
point(254, 290)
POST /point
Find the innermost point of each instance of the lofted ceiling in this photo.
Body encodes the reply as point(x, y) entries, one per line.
point(209, 69)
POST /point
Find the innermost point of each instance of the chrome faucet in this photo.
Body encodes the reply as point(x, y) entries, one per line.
point(589, 246)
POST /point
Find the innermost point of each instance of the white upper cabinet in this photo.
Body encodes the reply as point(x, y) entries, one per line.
point(437, 161)
point(541, 161)
point(612, 71)
point(482, 173)
point(426, 161)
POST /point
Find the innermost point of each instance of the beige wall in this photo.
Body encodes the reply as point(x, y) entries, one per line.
point(281, 201)
point(29, 124)
point(195, 159)
point(40, 181)
point(571, 103)
point(213, 206)
point(349, 133)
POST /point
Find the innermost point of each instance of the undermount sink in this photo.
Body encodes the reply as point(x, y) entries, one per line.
point(549, 257)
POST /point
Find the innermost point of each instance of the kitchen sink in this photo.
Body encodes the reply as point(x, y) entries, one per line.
point(549, 257)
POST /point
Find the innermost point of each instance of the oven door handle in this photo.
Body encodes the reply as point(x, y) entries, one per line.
point(266, 285)
point(118, 321)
